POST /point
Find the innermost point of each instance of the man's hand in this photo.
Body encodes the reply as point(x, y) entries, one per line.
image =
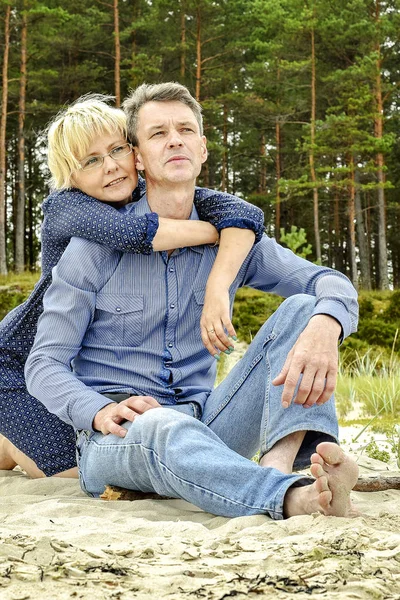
point(315, 356)
point(215, 319)
point(108, 418)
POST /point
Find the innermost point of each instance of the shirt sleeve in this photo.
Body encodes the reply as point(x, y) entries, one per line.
point(225, 210)
point(272, 268)
point(69, 306)
point(70, 213)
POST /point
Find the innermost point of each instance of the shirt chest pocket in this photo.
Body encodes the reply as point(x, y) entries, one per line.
point(119, 319)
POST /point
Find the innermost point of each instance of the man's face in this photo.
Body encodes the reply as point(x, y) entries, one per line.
point(112, 182)
point(171, 149)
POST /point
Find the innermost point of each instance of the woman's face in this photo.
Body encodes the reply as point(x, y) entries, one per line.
point(115, 180)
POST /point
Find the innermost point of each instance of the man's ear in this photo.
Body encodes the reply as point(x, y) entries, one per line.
point(138, 159)
point(204, 151)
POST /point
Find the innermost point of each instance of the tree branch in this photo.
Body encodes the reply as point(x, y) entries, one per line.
point(204, 60)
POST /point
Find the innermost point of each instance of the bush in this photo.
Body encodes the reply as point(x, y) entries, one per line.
point(10, 297)
point(15, 289)
point(379, 332)
point(366, 308)
point(252, 308)
point(392, 312)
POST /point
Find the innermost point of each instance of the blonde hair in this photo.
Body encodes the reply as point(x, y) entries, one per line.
point(158, 92)
point(73, 130)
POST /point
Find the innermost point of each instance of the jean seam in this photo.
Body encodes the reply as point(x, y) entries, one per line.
point(234, 389)
point(279, 496)
point(203, 489)
point(79, 456)
point(187, 482)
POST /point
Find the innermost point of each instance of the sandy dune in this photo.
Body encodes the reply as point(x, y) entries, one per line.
point(58, 543)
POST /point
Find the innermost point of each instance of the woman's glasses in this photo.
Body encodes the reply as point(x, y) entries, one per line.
point(95, 161)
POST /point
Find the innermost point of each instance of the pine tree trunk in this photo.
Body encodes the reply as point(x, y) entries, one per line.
point(263, 167)
point(338, 251)
point(311, 158)
point(29, 251)
point(3, 124)
point(224, 174)
point(135, 16)
point(183, 42)
point(383, 257)
point(362, 238)
point(352, 230)
point(20, 204)
point(198, 55)
point(117, 74)
point(278, 178)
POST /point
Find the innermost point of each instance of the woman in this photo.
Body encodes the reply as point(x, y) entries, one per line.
point(32, 437)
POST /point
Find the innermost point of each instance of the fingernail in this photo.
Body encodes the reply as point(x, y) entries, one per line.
point(231, 348)
point(285, 404)
point(227, 352)
point(217, 357)
point(234, 338)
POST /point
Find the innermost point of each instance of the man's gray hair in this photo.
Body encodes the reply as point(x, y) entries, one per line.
point(157, 92)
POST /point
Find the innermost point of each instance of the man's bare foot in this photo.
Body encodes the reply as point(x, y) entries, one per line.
point(7, 463)
point(335, 476)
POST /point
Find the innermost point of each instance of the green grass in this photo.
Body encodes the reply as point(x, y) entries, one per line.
point(25, 279)
point(14, 289)
point(372, 380)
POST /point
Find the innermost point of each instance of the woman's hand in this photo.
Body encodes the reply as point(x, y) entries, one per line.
point(215, 322)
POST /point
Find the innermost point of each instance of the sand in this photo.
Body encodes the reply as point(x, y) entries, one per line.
point(58, 543)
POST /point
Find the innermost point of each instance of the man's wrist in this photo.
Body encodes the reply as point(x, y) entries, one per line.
point(330, 323)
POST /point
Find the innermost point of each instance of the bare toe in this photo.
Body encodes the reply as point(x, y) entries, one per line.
point(331, 453)
point(317, 458)
point(341, 472)
point(317, 470)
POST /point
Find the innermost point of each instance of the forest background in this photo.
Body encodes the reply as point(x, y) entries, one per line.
point(301, 105)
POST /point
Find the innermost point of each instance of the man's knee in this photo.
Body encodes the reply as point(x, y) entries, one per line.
point(157, 420)
point(299, 305)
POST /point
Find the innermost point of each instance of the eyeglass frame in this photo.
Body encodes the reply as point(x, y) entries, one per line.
point(103, 156)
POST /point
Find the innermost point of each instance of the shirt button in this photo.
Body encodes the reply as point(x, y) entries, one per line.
point(172, 270)
point(118, 309)
point(172, 305)
point(170, 345)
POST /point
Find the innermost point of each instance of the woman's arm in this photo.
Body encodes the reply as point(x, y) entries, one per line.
point(241, 223)
point(70, 213)
point(225, 210)
point(175, 233)
point(215, 322)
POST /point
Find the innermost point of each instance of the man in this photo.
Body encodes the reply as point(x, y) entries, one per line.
point(130, 327)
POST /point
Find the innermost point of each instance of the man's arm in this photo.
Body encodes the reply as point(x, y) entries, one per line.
point(272, 268)
point(69, 306)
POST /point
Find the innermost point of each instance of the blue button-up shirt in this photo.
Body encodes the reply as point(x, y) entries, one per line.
point(117, 322)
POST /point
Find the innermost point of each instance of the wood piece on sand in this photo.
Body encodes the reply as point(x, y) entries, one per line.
point(378, 483)
point(112, 492)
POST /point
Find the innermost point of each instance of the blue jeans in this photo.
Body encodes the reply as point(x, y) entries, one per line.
point(205, 459)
